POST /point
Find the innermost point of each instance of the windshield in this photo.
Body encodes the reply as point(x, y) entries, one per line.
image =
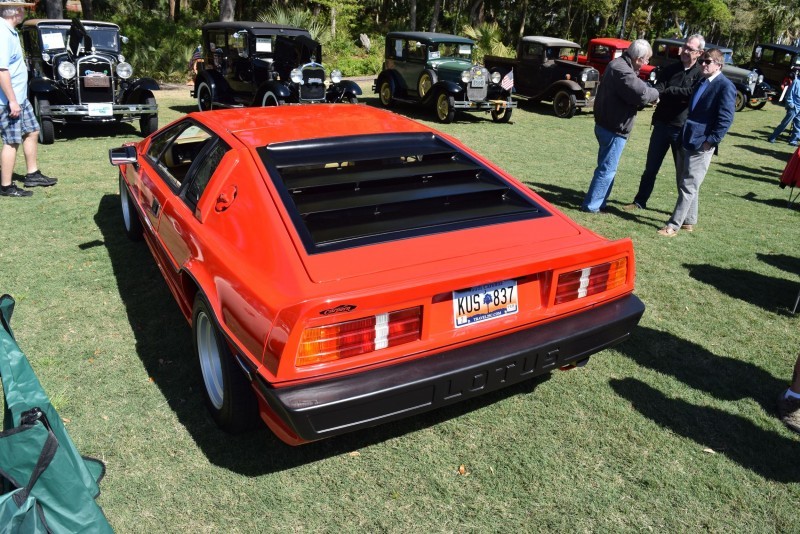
point(56, 38)
point(450, 50)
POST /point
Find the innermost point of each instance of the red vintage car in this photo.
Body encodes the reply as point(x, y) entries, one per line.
point(602, 50)
point(343, 277)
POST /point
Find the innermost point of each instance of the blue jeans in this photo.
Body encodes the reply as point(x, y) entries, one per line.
point(611, 146)
point(791, 115)
point(663, 138)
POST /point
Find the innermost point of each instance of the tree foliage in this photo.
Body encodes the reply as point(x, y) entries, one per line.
point(166, 27)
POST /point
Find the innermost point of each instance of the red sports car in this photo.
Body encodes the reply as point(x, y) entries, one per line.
point(365, 272)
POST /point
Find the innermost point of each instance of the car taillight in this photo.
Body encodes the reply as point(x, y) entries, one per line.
point(342, 340)
point(591, 280)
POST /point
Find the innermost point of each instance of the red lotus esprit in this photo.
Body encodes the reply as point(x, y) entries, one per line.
point(341, 277)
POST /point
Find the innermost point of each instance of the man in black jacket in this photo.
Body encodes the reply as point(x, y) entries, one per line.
point(674, 85)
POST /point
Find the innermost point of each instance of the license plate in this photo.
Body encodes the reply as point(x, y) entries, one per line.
point(101, 110)
point(484, 303)
point(478, 82)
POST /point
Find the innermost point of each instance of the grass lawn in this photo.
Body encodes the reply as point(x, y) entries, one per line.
point(674, 430)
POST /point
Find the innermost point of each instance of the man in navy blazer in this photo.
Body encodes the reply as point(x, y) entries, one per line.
point(710, 115)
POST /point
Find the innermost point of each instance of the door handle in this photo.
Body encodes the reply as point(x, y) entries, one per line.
point(226, 198)
point(155, 208)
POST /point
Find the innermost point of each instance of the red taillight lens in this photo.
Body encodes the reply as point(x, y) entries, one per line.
point(342, 340)
point(591, 280)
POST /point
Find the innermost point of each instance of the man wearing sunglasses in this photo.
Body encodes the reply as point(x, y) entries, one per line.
point(675, 84)
point(711, 112)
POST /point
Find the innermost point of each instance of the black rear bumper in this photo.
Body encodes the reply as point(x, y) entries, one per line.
point(330, 407)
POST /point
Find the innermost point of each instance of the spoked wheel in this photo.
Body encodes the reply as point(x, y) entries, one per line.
point(385, 94)
point(227, 393)
point(741, 101)
point(757, 105)
point(47, 131)
point(204, 100)
point(130, 218)
point(271, 99)
point(425, 83)
point(445, 108)
point(564, 105)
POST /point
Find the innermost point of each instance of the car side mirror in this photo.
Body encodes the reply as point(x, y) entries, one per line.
point(123, 39)
point(123, 155)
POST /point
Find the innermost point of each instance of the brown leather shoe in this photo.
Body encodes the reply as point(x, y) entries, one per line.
point(632, 207)
point(687, 227)
point(668, 231)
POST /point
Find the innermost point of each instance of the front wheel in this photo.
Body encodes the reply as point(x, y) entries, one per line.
point(501, 115)
point(741, 100)
point(426, 81)
point(757, 105)
point(445, 108)
point(271, 99)
point(130, 218)
point(352, 99)
point(204, 100)
point(148, 123)
point(385, 94)
point(228, 395)
point(47, 132)
point(564, 105)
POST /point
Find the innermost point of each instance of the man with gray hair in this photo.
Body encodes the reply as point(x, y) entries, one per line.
point(674, 84)
point(620, 96)
point(18, 124)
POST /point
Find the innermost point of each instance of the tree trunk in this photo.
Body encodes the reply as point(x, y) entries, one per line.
point(523, 21)
point(226, 10)
point(476, 13)
point(54, 9)
point(437, 6)
point(86, 9)
point(412, 5)
point(333, 23)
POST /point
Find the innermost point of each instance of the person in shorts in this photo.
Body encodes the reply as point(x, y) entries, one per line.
point(18, 124)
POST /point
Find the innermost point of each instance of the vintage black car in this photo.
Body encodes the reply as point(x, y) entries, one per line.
point(775, 62)
point(546, 68)
point(77, 74)
point(260, 64)
point(437, 69)
point(751, 89)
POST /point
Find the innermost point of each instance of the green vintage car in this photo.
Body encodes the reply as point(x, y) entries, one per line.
point(436, 69)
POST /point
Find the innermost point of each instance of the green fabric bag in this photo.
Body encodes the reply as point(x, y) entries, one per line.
point(48, 486)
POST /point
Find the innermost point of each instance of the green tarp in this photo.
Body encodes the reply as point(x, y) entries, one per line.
point(47, 485)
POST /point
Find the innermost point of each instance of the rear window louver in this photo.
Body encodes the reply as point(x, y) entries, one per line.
point(352, 191)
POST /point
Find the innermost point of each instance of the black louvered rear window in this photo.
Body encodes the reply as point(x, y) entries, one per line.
point(352, 191)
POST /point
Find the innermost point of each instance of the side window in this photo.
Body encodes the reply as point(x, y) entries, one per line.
point(533, 51)
point(174, 151)
point(768, 55)
point(203, 171)
point(395, 49)
point(601, 52)
point(416, 50)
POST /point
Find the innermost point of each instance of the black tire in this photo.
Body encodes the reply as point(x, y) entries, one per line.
point(130, 217)
point(425, 82)
point(445, 108)
point(564, 105)
point(47, 131)
point(757, 105)
point(227, 393)
point(385, 94)
point(741, 101)
point(352, 99)
point(148, 123)
point(271, 99)
point(205, 101)
point(502, 115)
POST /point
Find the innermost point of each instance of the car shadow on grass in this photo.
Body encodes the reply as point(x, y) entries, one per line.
point(767, 292)
point(126, 131)
point(766, 453)
point(418, 112)
point(164, 346)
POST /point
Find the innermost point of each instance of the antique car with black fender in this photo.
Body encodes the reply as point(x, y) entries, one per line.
point(260, 64)
point(77, 74)
point(436, 69)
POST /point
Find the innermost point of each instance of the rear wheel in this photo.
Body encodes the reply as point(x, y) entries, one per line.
point(501, 115)
point(385, 94)
point(445, 108)
point(757, 105)
point(130, 218)
point(564, 105)
point(204, 101)
point(741, 100)
point(228, 395)
point(148, 123)
point(47, 131)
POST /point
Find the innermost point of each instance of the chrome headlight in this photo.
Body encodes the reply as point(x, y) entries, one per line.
point(66, 70)
point(496, 77)
point(121, 58)
point(336, 76)
point(46, 57)
point(653, 76)
point(124, 70)
point(584, 76)
point(466, 76)
point(752, 77)
point(760, 78)
point(297, 76)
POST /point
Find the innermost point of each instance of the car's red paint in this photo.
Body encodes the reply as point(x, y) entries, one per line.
point(602, 50)
point(240, 248)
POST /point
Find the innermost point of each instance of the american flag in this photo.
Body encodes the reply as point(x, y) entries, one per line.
point(196, 55)
point(507, 82)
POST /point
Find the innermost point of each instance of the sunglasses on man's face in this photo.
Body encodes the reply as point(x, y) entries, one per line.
point(707, 61)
